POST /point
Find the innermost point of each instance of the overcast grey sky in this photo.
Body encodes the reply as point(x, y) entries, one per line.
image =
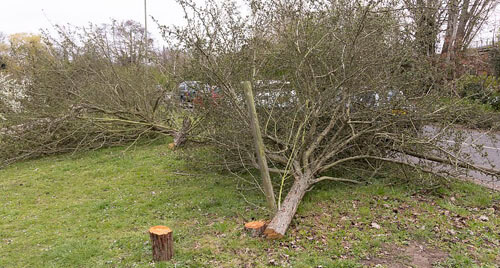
point(31, 15)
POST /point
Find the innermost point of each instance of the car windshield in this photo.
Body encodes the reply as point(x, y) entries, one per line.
point(393, 95)
point(189, 86)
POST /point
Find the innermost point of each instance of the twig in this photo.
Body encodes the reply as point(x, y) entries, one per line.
point(183, 174)
point(334, 179)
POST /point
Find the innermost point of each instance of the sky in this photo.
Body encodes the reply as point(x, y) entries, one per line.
point(32, 15)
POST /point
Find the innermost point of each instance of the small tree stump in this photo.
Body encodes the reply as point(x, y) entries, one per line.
point(163, 244)
point(255, 228)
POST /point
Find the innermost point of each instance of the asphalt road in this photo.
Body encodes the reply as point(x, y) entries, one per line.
point(480, 148)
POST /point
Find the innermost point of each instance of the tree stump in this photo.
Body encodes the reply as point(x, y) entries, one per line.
point(255, 228)
point(163, 244)
point(171, 146)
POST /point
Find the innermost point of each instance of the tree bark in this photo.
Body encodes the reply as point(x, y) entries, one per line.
point(279, 224)
point(180, 137)
point(464, 18)
point(163, 243)
point(450, 30)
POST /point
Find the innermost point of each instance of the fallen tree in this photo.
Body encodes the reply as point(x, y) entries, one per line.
point(88, 88)
point(336, 84)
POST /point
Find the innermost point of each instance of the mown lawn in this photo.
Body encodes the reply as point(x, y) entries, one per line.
point(94, 209)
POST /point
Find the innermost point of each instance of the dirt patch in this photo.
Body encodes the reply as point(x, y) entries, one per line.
point(414, 255)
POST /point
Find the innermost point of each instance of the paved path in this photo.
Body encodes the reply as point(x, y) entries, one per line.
point(482, 148)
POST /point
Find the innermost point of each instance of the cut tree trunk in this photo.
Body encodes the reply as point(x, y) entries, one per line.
point(282, 219)
point(163, 244)
point(255, 228)
point(180, 137)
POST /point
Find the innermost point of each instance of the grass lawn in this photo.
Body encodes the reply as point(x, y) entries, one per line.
point(94, 209)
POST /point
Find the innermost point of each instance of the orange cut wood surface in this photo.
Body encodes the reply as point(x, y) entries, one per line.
point(254, 224)
point(160, 230)
point(271, 234)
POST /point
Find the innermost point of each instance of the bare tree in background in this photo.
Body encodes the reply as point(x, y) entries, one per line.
point(337, 86)
point(427, 18)
point(459, 20)
point(3, 43)
point(465, 18)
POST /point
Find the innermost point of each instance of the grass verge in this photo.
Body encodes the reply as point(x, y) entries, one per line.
point(93, 210)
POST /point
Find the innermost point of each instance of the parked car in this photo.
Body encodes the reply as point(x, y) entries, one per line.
point(391, 98)
point(192, 93)
point(187, 92)
point(274, 93)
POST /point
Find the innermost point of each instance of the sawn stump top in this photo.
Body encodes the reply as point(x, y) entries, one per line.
point(160, 230)
point(255, 224)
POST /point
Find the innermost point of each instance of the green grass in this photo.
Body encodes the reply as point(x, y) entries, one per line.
point(94, 209)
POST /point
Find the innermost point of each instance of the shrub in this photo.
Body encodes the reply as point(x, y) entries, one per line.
point(495, 61)
point(483, 89)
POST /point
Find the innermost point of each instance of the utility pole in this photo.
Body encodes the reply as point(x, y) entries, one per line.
point(259, 148)
point(146, 30)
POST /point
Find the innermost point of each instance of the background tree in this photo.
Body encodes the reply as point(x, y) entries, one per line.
point(454, 22)
point(3, 51)
point(464, 19)
point(427, 18)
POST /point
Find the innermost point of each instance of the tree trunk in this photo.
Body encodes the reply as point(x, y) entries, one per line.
point(459, 45)
point(282, 219)
point(463, 20)
point(180, 137)
point(163, 244)
point(450, 30)
point(425, 15)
